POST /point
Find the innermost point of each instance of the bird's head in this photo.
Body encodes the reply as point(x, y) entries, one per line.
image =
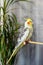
point(28, 23)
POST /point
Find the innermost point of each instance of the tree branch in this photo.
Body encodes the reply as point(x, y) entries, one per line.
point(19, 46)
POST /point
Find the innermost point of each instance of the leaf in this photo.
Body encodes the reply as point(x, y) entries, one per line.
point(22, 0)
point(14, 17)
point(18, 1)
point(7, 3)
point(10, 23)
point(1, 7)
point(13, 1)
point(2, 40)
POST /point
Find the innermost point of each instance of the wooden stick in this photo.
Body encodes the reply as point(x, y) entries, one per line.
point(19, 46)
point(33, 42)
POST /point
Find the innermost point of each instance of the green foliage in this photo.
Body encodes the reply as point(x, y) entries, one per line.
point(8, 36)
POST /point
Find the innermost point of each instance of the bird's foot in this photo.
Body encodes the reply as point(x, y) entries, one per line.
point(26, 42)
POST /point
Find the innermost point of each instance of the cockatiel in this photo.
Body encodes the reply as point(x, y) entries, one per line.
point(28, 30)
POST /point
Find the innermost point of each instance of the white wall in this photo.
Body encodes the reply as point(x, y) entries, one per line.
point(31, 54)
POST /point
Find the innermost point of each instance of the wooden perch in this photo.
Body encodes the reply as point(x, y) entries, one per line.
point(32, 42)
point(19, 46)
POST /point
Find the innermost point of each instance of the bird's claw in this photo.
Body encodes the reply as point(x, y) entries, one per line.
point(26, 42)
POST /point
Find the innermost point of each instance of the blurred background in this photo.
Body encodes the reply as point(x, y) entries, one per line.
point(31, 54)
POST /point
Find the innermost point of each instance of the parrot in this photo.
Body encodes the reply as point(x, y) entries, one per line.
point(28, 31)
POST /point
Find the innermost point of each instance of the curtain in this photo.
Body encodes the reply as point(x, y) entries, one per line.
point(31, 54)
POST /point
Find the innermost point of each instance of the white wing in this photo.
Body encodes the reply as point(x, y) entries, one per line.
point(23, 36)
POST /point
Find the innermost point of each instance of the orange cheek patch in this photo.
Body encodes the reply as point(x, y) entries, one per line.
point(28, 22)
